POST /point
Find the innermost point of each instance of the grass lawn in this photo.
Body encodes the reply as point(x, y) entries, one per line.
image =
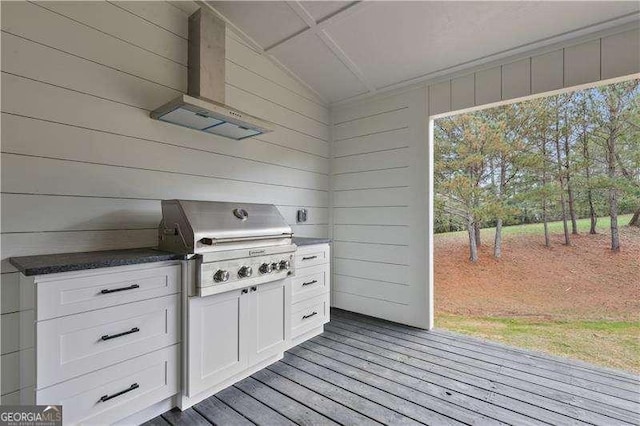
point(604, 223)
point(614, 344)
point(580, 301)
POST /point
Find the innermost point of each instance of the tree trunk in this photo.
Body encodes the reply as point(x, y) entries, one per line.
point(587, 168)
point(476, 230)
point(572, 211)
point(567, 168)
point(613, 207)
point(497, 247)
point(592, 214)
point(547, 240)
point(635, 220)
point(473, 248)
point(613, 192)
point(563, 205)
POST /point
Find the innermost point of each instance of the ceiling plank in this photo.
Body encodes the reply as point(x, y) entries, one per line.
point(304, 14)
point(259, 49)
point(336, 17)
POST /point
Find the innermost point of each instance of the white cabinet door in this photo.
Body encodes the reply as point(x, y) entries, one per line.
point(218, 350)
point(270, 320)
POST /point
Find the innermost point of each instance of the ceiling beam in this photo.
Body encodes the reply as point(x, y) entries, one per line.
point(321, 33)
point(323, 23)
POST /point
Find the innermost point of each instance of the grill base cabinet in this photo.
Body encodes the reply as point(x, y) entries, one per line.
point(231, 335)
point(125, 344)
point(231, 332)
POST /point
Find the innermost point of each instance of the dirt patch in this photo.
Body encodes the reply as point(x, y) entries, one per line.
point(584, 281)
point(581, 301)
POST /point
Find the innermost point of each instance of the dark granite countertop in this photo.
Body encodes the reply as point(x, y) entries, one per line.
point(65, 262)
point(305, 241)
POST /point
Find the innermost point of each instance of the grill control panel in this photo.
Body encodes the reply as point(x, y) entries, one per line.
point(238, 273)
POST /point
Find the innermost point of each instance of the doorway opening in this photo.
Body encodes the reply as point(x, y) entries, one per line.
point(536, 221)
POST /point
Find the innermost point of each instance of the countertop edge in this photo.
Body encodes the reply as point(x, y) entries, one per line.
point(82, 265)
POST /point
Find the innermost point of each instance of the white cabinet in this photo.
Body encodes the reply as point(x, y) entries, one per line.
point(217, 339)
point(269, 309)
point(110, 394)
point(310, 290)
point(77, 344)
point(233, 331)
point(106, 341)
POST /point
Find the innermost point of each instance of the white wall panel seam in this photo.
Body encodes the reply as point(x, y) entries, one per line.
point(108, 34)
point(371, 134)
point(167, 171)
point(372, 152)
point(93, 61)
point(165, 143)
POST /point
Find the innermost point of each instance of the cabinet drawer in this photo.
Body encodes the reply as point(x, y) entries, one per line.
point(70, 346)
point(88, 292)
point(309, 314)
point(310, 282)
point(113, 393)
point(312, 255)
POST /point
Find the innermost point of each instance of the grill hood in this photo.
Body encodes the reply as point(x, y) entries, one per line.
point(205, 226)
point(203, 108)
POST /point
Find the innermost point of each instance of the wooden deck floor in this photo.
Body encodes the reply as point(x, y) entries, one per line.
point(366, 371)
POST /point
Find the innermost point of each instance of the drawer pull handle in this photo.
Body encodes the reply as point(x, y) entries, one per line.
point(129, 389)
point(309, 283)
point(245, 291)
point(108, 290)
point(310, 315)
point(309, 257)
point(254, 288)
point(124, 333)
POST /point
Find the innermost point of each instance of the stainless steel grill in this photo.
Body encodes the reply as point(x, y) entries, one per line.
point(231, 245)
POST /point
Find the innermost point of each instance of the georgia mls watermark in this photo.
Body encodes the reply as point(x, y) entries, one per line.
point(31, 415)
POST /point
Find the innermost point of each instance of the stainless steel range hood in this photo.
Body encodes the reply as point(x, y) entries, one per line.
point(203, 108)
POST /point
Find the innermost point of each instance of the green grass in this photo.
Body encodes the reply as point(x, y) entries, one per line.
point(608, 343)
point(604, 223)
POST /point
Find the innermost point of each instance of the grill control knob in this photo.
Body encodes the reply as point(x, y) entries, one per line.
point(245, 272)
point(266, 268)
point(221, 276)
point(284, 264)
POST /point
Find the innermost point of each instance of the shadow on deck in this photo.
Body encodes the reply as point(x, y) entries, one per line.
point(363, 370)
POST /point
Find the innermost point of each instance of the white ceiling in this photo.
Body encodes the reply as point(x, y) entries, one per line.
point(343, 49)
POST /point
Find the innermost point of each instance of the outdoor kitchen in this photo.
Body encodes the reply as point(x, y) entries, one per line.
point(222, 212)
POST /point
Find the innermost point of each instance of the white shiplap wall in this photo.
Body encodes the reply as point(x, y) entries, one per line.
point(377, 148)
point(380, 167)
point(85, 168)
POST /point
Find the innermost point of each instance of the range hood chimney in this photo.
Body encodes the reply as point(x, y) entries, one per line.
point(203, 108)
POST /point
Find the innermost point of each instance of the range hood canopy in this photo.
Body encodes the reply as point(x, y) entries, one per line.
point(203, 108)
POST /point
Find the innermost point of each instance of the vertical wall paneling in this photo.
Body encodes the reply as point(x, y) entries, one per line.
point(582, 63)
point(375, 147)
point(516, 79)
point(463, 92)
point(547, 72)
point(620, 54)
point(440, 98)
point(489, 86)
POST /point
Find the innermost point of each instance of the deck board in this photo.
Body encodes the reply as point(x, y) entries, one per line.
point(364, 370)
point(586, 379)
point(615, 407)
